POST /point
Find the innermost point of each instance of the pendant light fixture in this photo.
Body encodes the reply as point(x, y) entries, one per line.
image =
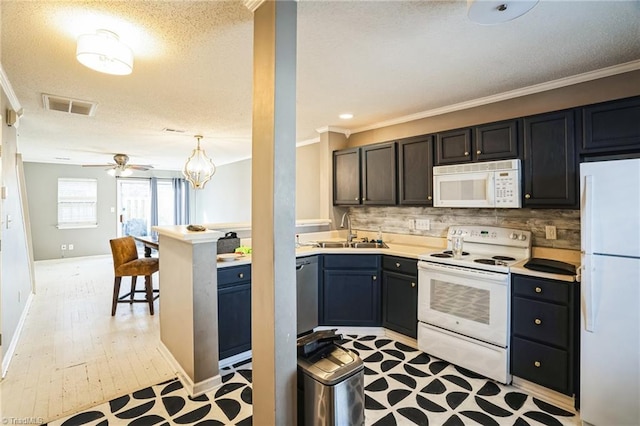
point(104, 52)
point(199, 168)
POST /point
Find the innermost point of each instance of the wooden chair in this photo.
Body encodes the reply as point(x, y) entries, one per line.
point(127, 264)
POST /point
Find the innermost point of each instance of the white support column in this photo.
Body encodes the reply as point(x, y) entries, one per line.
point(273, 214)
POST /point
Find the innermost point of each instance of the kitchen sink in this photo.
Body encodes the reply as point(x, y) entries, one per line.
point(353, 244)
point(368, 245)
point(332, 244)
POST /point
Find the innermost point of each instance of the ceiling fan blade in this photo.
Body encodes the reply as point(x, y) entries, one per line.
point(98, 165)
point(139, 166)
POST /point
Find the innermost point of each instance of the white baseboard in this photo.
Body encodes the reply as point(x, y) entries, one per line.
point(194, 389)
point(6, 360)
point(228, 362)
point(361, 331)
point(406, 340)
point(552, 397)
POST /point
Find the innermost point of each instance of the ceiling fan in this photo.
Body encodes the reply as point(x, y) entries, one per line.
point(120, 167)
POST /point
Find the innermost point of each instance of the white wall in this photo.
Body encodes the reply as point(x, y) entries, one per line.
point(227, 196)
point(308, 182)
point(16, 270)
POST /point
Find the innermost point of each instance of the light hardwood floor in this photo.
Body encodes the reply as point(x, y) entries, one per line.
point(72, 353)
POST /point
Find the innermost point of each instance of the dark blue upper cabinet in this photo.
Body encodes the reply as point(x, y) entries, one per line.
point(550, 161)
point(611, 126)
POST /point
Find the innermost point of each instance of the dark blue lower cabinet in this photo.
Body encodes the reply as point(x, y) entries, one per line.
point(351, 297)
point(400, 303)
point(234, 319)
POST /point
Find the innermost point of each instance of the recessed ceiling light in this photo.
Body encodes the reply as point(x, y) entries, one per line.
point(346, 116)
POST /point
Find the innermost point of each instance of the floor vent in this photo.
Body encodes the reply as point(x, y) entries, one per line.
point(68, 105)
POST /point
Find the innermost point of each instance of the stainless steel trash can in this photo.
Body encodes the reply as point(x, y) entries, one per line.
point(331, 387)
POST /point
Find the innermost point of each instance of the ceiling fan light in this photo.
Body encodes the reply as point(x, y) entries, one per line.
point(199, 168)
point(111, 172)
point(125, 171)
point(104, 52)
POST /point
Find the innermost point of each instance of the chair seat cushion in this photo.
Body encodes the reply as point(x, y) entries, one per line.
point(138, 267)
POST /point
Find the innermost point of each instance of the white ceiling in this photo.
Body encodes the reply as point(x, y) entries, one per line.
point(193, 68)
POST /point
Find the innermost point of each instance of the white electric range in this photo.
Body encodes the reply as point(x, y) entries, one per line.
point(464, 303)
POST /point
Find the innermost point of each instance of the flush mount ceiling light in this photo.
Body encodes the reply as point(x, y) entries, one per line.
point(104, 52)
point(489, 12)
point(199, 168)
point(346, 116)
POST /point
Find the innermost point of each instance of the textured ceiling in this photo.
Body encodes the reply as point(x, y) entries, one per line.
point(193, 68)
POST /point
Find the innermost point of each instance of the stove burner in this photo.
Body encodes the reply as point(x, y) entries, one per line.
point(441, 255)
point(464, 253)
point(488, 262)
point(507, 258)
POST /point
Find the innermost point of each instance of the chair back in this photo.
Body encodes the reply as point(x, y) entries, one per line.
point(123, 250)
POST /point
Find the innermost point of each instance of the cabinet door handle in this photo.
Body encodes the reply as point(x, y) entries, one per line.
point(240, 275)
point(478, 152)
point(429, 198)
point(357, 199)
point(527, 196)
point(538, 321)
point(466, 153)
point(537, 364)
point(397, 265)
point(364, 199)
point(538, 290)
point(413, 284)
point(374, 278)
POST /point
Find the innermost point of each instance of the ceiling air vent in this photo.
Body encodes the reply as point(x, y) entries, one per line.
point(68, 105)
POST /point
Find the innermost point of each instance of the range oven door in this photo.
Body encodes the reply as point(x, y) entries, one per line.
point(471, 302)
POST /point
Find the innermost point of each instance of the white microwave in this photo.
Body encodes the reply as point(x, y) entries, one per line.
point(491, 184)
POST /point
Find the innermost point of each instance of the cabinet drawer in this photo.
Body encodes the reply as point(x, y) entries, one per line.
point(234, 274)
point(540, 288)
point(540, 364)
point(351, 261)
point(400, 264)
point(544, 322)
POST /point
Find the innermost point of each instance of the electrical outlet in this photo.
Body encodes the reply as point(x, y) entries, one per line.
point(423, 224)
point(550, 230)
point(63, 247)
point(70, 246)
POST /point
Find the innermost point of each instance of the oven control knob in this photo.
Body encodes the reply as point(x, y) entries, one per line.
point(513, 236)
point(522, 237)
point(459, 231)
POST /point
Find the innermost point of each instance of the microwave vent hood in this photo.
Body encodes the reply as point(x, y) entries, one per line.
point(492, 184)
point(477, 167)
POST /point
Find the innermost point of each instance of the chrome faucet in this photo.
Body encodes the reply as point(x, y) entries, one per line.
point(350, 234)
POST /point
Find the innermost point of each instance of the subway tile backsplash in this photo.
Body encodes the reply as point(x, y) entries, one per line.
point(401, 220)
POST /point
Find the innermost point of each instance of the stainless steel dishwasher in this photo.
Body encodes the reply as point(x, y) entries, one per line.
point(307, 293)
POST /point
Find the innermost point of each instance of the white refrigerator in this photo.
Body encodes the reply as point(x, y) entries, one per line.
point(610, 283)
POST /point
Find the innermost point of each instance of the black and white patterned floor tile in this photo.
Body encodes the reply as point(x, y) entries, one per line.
point(403, 386)
point(168, 403)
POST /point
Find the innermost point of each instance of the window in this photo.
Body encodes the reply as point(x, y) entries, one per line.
point(77, 203)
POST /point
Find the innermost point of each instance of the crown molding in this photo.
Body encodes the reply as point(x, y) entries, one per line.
point(530, 90)
point(308, 142)
point(334, 129)
point(8, 90)
point(253, 5)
